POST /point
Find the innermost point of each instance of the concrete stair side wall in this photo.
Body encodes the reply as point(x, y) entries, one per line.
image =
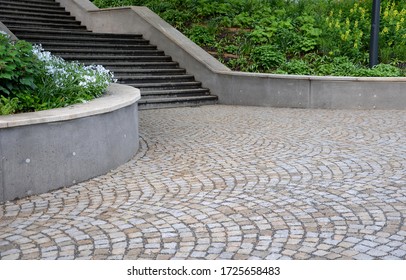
point(4, 28)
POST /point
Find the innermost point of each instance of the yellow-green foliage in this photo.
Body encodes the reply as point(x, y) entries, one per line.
point(348, 32)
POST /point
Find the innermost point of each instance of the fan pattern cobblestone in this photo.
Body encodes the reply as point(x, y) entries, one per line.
point(225, 182)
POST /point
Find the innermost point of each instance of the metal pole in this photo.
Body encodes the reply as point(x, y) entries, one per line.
point(373, 46)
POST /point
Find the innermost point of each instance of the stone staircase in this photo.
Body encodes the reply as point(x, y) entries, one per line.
point(133, 60)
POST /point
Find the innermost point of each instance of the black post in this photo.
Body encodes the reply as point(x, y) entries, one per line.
point(373, 46)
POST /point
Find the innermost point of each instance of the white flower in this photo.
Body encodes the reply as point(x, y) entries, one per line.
point(64, 73)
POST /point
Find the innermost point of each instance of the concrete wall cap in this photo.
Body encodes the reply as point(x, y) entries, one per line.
point(117, 96)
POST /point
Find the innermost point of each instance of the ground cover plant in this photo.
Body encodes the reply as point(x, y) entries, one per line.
point(32, 79)
point(308, 37)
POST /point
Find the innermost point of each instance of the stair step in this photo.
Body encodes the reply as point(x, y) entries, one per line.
point(18, 23)
point(165, 85)
point(39, 20)
point(100, 59)
point(141, 65)
point(84, 40)
point(4, 9)
point(155, 79)
point(93, 47)
point(33, 5)
point(110, 52)
point(23, 14)
point(17, 7)
point(65, 34)
point(38, 1)
point(128, 72)
point(42, 2)
point(176, 93)
point(158, 103)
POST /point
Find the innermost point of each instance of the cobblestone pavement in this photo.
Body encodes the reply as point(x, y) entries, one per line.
point(224, 182)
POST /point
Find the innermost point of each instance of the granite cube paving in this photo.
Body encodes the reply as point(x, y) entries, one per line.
point(230, 182)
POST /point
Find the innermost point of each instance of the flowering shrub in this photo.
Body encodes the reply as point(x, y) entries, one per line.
point(64, 83)
point(393, 33)
point(32, 79)
point(348, 31)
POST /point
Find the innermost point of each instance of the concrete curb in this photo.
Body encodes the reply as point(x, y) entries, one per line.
point(47, 150)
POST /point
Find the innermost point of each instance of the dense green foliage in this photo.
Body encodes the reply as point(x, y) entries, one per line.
point(32, 79)
point(316, 37)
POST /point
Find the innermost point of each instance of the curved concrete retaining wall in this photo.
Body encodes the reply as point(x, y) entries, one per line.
point(47, 150)
point(237, 88)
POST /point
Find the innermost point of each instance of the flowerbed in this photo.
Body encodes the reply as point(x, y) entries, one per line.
point(32, 79)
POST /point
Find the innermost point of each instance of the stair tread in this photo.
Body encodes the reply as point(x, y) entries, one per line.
point(31, 7)
point(101, 51)
point(42, 24)
point(33, 4)
point(95, 47)
point(109, 57)
point(41, 14)
point(136, 64)
point(166, 84)
point(139, 71)
point(176, 99)
point(157, 77)
point(201, 91)
point(56, 10)
point(39, 19)
point(39, 33)
point(84, 39)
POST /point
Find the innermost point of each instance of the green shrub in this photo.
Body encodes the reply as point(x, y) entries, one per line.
point(384, 70)
point(296, 67)
point(18, 67)
point(8, 105)
point(267, 57)
point(201, 35)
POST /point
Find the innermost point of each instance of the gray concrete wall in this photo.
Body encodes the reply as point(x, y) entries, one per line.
point(358, 93)
point(47, 150)
point(263, 90)
point(237, 88)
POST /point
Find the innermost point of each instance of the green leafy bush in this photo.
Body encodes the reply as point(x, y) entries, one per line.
point(201, 35)
point(8, 105)
point(18, 66)
point(266, 58)
point(32, 79)
point(297, 67)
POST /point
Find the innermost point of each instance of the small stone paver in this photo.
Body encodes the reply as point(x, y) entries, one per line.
point(229, 182)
